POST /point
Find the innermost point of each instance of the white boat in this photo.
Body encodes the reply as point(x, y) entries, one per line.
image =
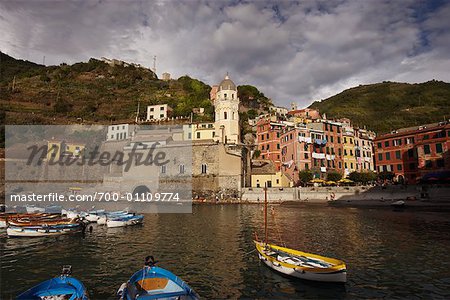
point(301, 264)
point(399, 203)
point(125, 221)
point(3, 223)
point(13, 231)
point(104, 218)
point(94, 215)
point(34, 209)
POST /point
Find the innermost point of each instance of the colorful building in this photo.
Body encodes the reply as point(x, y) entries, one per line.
point(268, 140)
point(264, 174)
point(348, 146)
point(296, 145)
point(327, 152)
point(364, 150)
point(412, 152)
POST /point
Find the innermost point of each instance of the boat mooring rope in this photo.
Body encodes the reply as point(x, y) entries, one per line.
point(245, 254)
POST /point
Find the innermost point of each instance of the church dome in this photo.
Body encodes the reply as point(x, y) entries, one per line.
point(227, 84)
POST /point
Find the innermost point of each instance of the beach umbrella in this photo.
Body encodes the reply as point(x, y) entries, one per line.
point(317, 180)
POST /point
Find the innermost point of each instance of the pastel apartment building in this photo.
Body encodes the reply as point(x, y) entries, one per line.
point(412, 152)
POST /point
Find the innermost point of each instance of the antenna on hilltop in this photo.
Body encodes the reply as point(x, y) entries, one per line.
point(154, 64)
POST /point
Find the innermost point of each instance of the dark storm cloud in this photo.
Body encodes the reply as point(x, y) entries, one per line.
point(293, 51)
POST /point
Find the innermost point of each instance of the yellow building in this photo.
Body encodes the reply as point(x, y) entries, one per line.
point(57, 149)
point(203, 131)
point(349, 150)
point(264, 174)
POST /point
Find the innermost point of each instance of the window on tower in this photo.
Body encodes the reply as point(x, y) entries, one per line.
point(225, 115)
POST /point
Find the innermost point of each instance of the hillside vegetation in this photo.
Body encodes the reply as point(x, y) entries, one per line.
point(96, 92)
point(385, 106)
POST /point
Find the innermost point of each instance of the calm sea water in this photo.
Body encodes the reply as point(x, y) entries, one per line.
point(396, 255)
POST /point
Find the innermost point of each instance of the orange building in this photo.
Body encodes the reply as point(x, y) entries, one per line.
point(413, 152)
point(268, 140)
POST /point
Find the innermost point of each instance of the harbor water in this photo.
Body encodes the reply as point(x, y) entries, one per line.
point(390, 254)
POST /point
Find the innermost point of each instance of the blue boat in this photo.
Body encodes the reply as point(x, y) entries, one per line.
point(152, 282)
point(61, 287)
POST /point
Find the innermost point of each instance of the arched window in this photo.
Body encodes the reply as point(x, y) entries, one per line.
point(181, 169)
point(204, 168)
point(225, 115)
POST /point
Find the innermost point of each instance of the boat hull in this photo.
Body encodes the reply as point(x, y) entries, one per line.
point(337, 277)
point(122, 222)
point(55, 288)
point(336, 272)
point(40, 232)
point(156, 283)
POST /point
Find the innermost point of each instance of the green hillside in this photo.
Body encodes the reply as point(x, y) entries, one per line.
point(11, 67)
point(96, 92)
point(385, 106)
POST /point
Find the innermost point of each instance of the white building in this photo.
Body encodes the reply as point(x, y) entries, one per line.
point(227, 113)
point(281, 111)
point(158, 112)
point(120, 132)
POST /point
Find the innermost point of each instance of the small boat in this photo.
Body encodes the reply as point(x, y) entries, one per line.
point(5, 218)
point(59, 288)
point(94, 215)
point(399, 203)
point(111, 215)
point(34, 209)
point(125, 221)
point(297, 263)
point(301, 264)
point(152, 282)
point(39, 231)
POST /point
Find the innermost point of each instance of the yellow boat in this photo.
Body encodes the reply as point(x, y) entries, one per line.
point(297, 263)
point(301, 264)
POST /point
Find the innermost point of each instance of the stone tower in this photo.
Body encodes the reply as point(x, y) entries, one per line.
point(227, 113)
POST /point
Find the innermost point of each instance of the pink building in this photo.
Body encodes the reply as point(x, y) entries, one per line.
point(296, 146)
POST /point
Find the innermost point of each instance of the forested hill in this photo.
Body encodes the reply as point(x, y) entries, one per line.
point(385, 106)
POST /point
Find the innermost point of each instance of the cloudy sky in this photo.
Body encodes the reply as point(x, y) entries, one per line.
point(293, 51)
